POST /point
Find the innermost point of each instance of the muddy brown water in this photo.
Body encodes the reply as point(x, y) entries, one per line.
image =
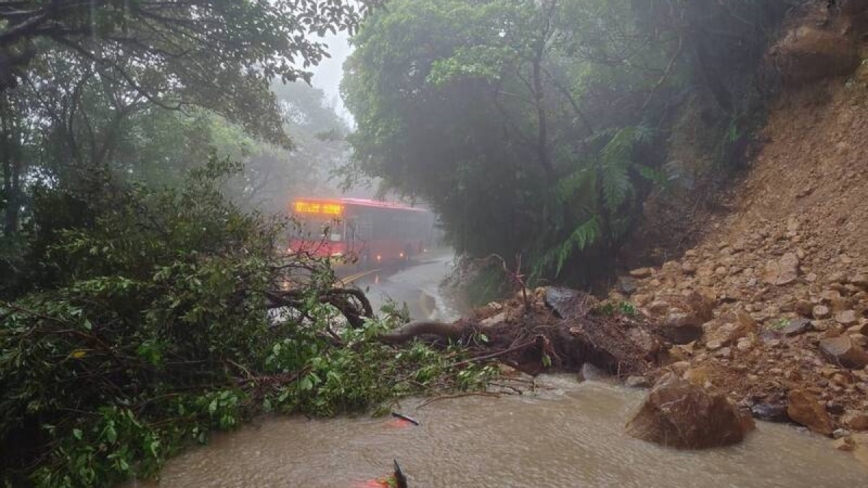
point(565, 435)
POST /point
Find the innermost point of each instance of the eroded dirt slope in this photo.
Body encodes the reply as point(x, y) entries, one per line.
point(786, 272)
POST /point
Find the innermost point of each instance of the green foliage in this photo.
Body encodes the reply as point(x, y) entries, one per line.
point(610, 309)
point(538, 127)
point(581, 237)
point(504, 123)
point(154, 330)
point(217, 54)
point(779, 324)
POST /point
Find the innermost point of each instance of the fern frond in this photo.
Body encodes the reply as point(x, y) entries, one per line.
point(582, 236)
point(615, 158)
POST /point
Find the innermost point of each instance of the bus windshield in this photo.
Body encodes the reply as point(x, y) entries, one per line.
point(321, 229)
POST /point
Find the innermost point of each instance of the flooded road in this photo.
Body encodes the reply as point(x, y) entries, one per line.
point(566, 434)
point(416, 285)
point(571, 435)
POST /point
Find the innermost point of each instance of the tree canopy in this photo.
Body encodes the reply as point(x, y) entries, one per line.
point(537, 128)
point(218, 54)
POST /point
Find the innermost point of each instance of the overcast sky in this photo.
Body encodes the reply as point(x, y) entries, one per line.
point(327, 76)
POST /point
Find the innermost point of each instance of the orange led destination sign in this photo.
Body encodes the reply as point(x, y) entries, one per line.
point(323, 208)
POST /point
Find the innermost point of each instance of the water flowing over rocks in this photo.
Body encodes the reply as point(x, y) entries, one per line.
point(680, 414)
point(779, 332)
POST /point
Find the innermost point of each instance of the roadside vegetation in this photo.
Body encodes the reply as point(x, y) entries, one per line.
point(148, 153)
point(165, 317)
point(539, 129)
point(149, 149)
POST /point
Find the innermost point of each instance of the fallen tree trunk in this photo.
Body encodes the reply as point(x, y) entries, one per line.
point(454, 331)
point(616, 345)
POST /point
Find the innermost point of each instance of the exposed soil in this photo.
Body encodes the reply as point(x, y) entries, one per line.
point(786, 270)
point(760, 292)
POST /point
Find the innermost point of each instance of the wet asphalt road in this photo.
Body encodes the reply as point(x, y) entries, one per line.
point(416, 285)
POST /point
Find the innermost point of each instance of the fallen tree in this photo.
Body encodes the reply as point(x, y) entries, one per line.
point(558, 329)
point(170, 314)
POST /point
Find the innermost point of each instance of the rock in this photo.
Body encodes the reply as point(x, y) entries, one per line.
point(855, 420)
point(688, 268)
point(844, 444)
point(746, 343)
point(658, 307)
point(860, 280)
point(839, 433)
point(796, 327)
point(804, 308)
point(804, 408)
point(680, 367)
point(641, 273)
point(821, 312)
point(744, 320)
point(698, 376)
point(627, 285)
point(724, 335)
point(637, 382)
point(829, 295)
point(494, 319)
point(841, 379)
point(568, 303)
point(681, 328)
point(836, 277)
point(681, 415)
point(841, 350)
point(846, 318)
point(808, 53)
point(839, 305)
point(644, 341)
point(772, 411)
point(860, 340)
point(782, 271)
point(819, 326)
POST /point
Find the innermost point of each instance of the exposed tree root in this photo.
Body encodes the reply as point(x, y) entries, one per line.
point(541, 339)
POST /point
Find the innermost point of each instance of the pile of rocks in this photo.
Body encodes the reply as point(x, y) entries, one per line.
point(773, 320)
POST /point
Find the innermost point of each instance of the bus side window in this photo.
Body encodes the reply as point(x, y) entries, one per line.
point(363, 227)
point(350, 234)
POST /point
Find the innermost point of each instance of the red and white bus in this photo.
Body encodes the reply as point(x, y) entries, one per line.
point(366, 232)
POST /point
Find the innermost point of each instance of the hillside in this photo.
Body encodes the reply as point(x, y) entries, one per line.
point(786, 268)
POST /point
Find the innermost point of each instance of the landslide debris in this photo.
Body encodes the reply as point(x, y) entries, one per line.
point(680, 414)
point(550, 328)
point(785, 271)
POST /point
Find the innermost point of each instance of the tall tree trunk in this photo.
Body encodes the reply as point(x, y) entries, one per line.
point(10, 154)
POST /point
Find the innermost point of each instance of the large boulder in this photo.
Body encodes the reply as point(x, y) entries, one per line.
point(681, 327)
point(842, 350)
point(808, 53)
point(683, 322)
point(681, 415)
point(804, 408)
point(782, 271)
point(733, 328)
